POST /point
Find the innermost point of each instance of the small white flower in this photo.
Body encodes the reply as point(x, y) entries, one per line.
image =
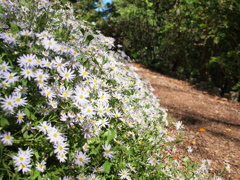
point(6, 138)
point(107, 153)
point(41, 166)
point(20, 116)
point(49, 43)
point(124, 174)
point(44, 127)
point(67, 74)
point(189, 149)
point(81, 159)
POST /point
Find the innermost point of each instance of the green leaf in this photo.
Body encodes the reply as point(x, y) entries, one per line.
point(27, 112)
point(89, 39)
point(43, 22)
point(25, 3)
point(36, 154)
point(107, 167)
point(130, 152)
point(64, 1)
point(186, 159)
point(111, 135)
point(4, 122)
point(95, 150)
point(14, 28)
point(35, 174)
point(82, 30)
point(24, 82)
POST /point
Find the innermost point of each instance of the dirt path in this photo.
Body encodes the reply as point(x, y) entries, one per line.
point(197, 109)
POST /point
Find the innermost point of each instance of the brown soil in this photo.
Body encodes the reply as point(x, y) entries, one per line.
point(197, 109)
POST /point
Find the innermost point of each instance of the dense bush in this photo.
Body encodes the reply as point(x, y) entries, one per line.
point(72, 109)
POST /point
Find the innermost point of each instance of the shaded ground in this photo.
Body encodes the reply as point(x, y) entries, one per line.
point(198, 109)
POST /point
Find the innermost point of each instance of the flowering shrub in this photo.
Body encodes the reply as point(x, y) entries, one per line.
point(70, 108)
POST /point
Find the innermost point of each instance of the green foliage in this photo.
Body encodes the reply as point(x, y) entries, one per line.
point(182, 34)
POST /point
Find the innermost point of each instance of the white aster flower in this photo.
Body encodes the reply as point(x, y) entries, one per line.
point(22, 160)
point(93, 177)
point(27, 73)
point(20, 116)
point(41, 166)
point(61, 148)
point(44, 34)
point(19, 101)
point(8, 103)
point(44, 127)
point(153, 161)
point(58, 63)
point(6, 138)
point(81, 177)
point(10, 77)
point(4, 67)
point(28, 60)
point(107, 153)
point(55, 136)
point(124, 174)
point(67, 74)
point(81, 159)
point(49, 43)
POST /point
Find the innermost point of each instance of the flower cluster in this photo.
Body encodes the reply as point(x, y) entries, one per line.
point(23, 160)
point(82, 112)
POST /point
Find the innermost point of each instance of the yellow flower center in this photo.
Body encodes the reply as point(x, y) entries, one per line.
point(8, 137)
point(20, 116)
point(9, 103)
point(18, 99)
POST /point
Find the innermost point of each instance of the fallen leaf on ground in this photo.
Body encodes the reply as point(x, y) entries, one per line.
point(193, 142)
point(154, 76)
point(175, 157)
point(202, 130)
point(221, 102)
point(237, 176)
point(228, 129)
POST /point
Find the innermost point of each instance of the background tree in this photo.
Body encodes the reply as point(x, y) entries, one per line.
point(191, 37)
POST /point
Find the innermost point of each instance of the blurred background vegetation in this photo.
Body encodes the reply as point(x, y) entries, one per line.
point(195, 38)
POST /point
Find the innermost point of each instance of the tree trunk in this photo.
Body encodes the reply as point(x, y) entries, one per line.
point(202, 64)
